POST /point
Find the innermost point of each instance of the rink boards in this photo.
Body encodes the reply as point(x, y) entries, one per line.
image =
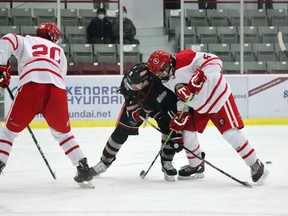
point(94, 100)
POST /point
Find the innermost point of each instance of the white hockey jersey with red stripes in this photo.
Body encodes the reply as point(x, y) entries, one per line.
point(39, 59)
point(215, 90)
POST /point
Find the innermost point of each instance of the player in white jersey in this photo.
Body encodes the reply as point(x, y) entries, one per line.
point(198, 75)
point(42, 67)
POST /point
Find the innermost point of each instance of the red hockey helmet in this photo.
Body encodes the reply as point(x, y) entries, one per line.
point(49, 30)
point(158, 60)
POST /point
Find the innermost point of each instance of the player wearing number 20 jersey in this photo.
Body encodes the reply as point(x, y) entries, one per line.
point(39, 60)
point(42, 67)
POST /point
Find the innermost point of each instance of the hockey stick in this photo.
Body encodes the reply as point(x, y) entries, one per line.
point(35, 141)
point(146, 118)
point(143, 173)
point(281, 44)
point(207, 162)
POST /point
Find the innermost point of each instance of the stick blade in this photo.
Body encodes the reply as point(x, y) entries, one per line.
point(142, 174)
point(246, 184)
point(54, 175)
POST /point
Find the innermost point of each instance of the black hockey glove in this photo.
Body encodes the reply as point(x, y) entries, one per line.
point(176, 141)
point(162, 121)
point(134, 111)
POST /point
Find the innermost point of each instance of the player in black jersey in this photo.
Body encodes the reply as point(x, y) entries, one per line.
point(144, 96)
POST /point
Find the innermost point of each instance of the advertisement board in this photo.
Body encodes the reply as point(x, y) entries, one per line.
point(268, 96)
point(97, 97)
point(89, 97)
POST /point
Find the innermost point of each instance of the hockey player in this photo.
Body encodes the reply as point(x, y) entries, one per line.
point(144, 95)
point(42, 68)
point(198, 74)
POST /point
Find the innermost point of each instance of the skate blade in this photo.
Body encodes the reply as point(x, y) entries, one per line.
point(263, 178)
point(169, 177)
point(194, 176)
point(86, 184)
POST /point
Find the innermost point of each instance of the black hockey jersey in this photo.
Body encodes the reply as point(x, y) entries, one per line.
point(155, 99)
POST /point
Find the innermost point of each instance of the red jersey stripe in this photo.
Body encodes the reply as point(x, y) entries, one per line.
point(208, 61)
point(212, 93)
point(40, 70)
point(219, 97)
point(42, 59)
point(15, 46)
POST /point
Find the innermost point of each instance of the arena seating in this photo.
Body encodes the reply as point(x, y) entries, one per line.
point(215, 31)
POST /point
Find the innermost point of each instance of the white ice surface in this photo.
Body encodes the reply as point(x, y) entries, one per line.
point(27, 188)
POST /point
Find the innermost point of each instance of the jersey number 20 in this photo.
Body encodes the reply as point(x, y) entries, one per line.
point(42, 49)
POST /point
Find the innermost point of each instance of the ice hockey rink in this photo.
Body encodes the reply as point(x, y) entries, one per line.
point(27, 187)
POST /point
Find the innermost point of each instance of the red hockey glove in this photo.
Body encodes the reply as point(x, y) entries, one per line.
point(177, 141)
point(183, 92)
point(4, 76)
point(196, 82)
point(177, 124)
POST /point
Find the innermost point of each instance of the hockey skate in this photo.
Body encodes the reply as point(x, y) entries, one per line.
point(258, 173)
point(84, 176)
point(169, 171)
point(2, 166)
point(101, 167)
point(188, 172)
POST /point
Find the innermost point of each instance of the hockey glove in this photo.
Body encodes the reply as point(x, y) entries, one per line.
point(4, 76)
point(176, 141)
point(196, 82)
point(177, 124)
point(134, 111)
point(162, 121)
point(137, 113)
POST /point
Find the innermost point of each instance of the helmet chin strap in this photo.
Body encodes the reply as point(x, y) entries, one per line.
point(173, 64)
point(170, 74)
point(166, 78)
